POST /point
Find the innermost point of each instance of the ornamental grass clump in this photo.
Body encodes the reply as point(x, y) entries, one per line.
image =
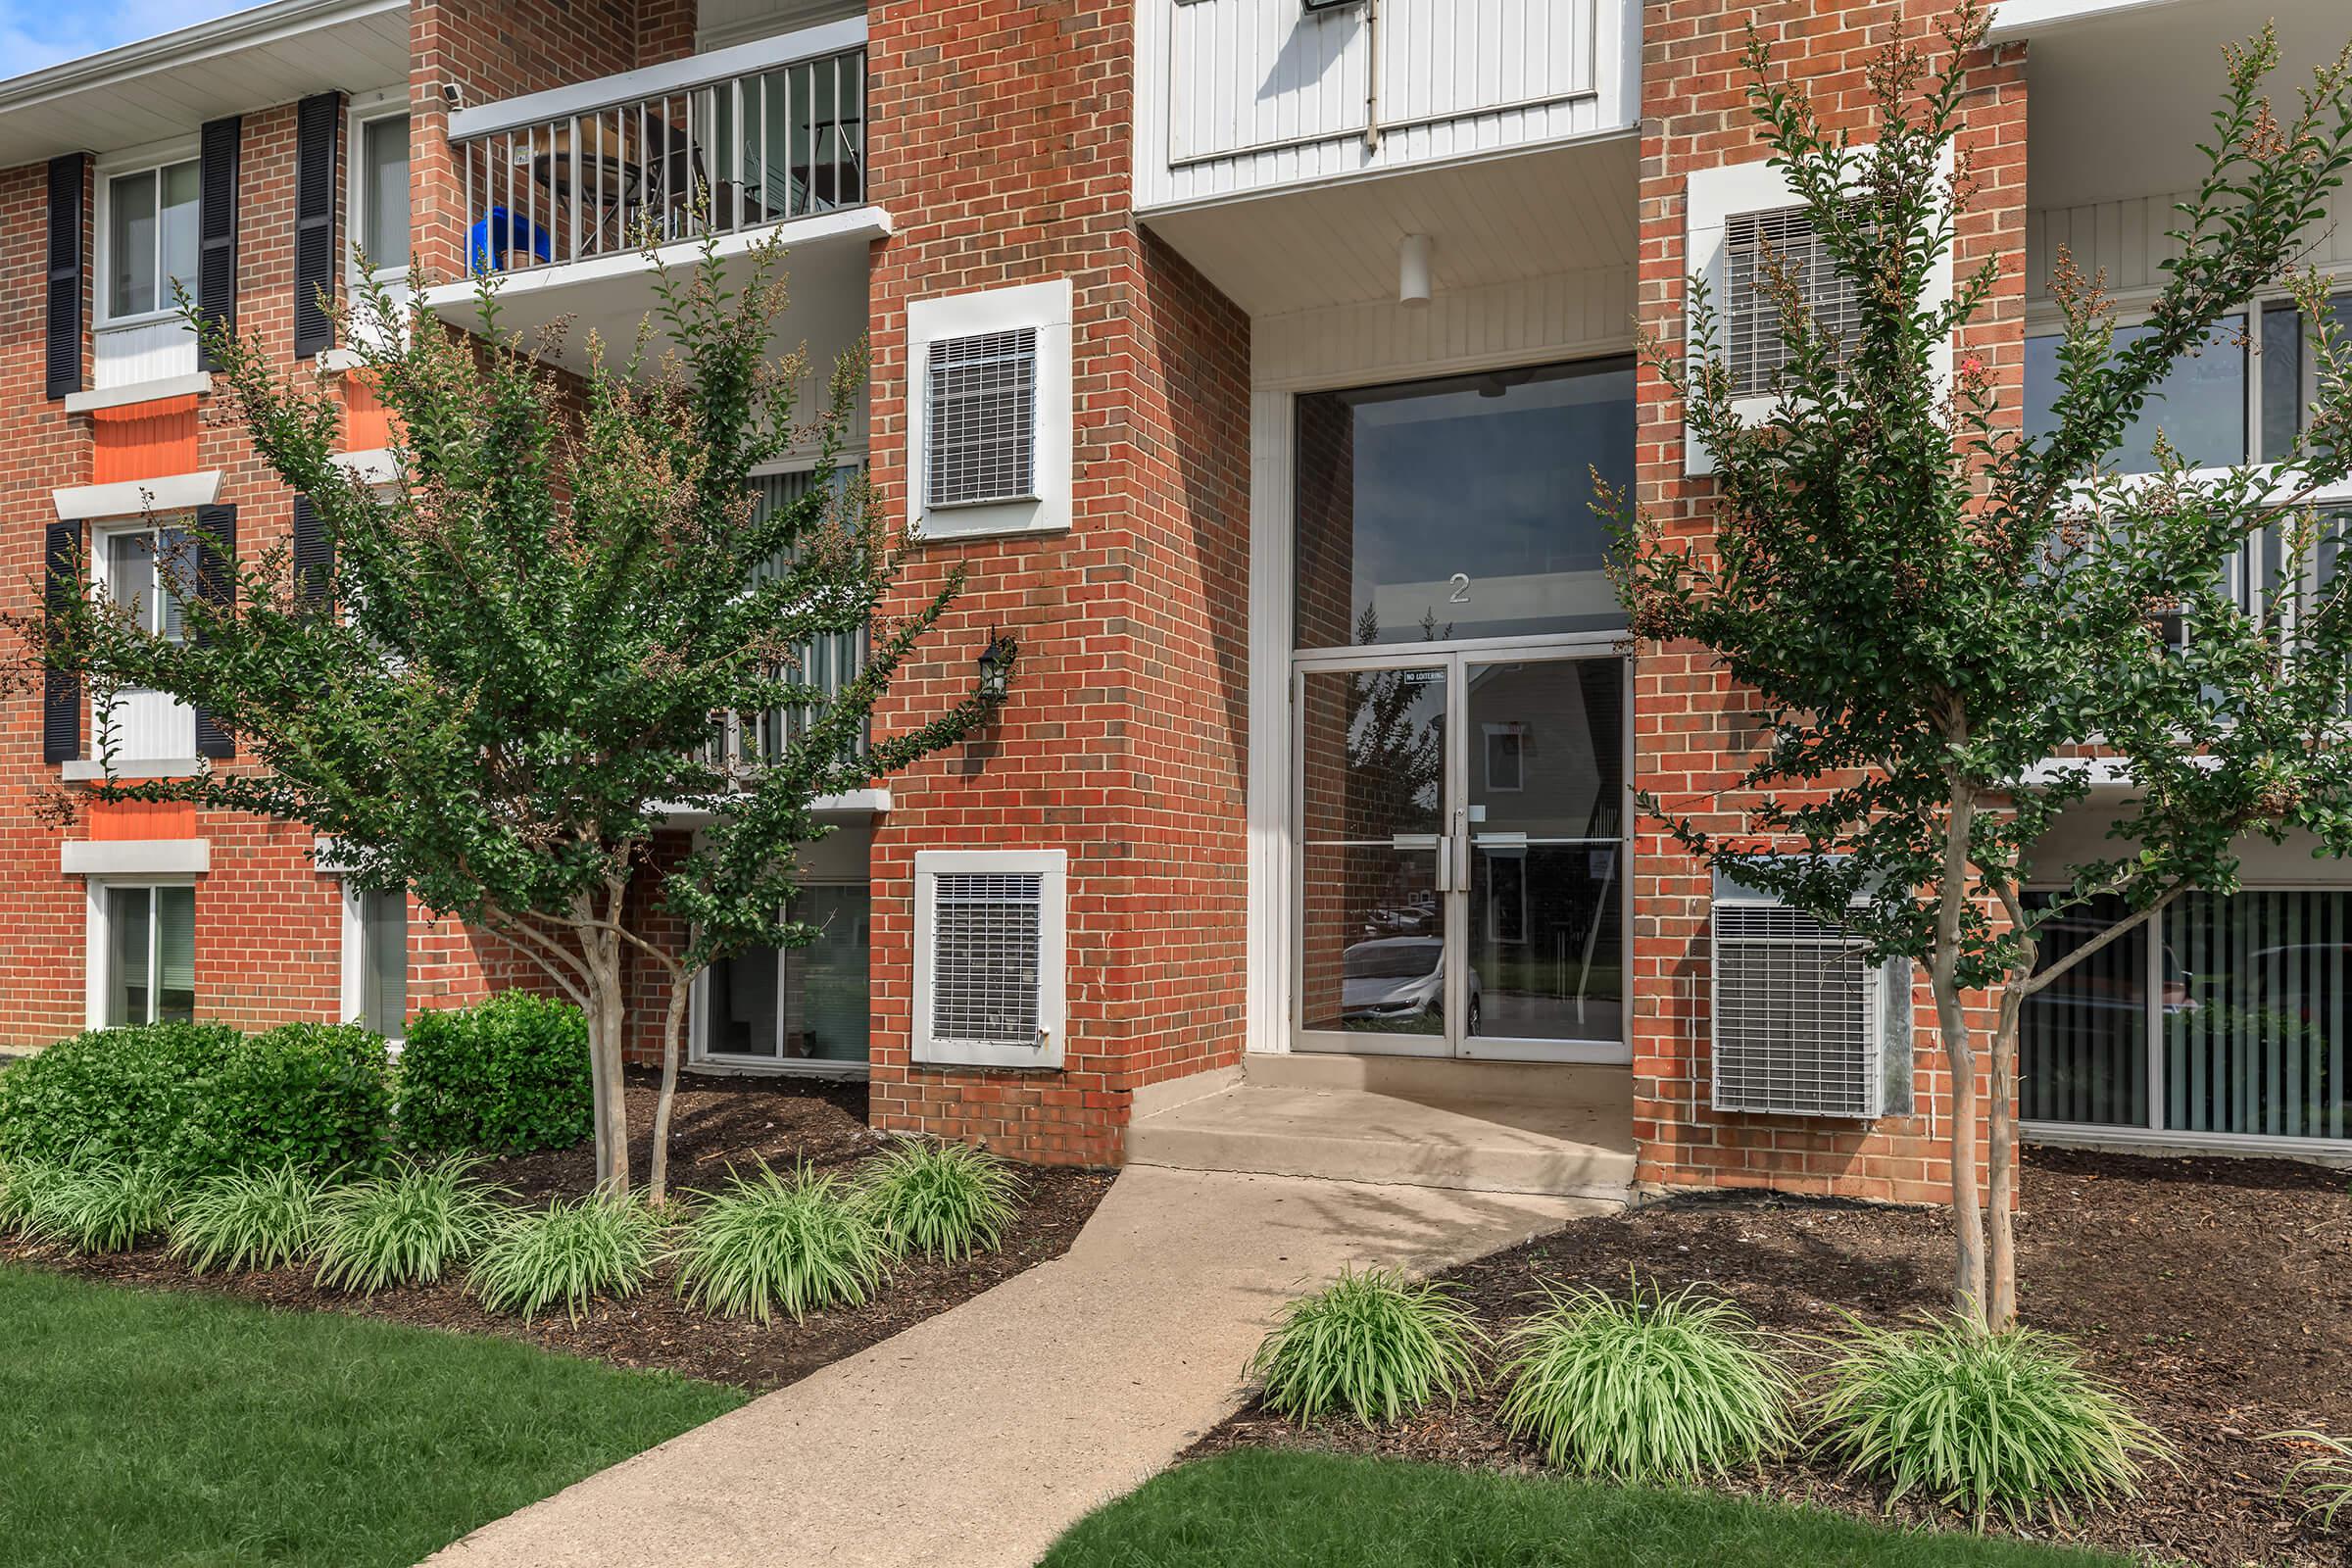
point(568, 1253)
point(1650, 1389)
point(2007, 1422)
point(770, 1243)
point(409, 1227)
point(248, 1219)
point(2324, 1478)
point(1375, 1345)
point(23, 1182)
point(101, 1205)
point(947, 1200)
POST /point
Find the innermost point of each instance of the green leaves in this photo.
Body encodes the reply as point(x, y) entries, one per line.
point(1653, 1388)
point(2005, 1422)
point(408, 1227)
point(945, 1201)
point(248, 1219)
point(770, 1243)
point(568, 1253)
point(510, 1073)
point(1375, 1346)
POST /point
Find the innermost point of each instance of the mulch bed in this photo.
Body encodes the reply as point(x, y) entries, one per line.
point(2216, 1292)
point(717, 1122)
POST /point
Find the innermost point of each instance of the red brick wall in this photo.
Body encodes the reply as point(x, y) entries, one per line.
point(1692, 735)
point(1001, 136)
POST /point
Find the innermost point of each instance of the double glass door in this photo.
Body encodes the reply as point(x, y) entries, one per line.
point(1460, 880)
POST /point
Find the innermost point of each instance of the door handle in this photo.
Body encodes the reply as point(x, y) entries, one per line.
point(1445, 863)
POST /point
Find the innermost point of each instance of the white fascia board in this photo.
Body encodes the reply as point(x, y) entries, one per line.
point(675, 76)
point(133, 498)
point(336, 362)
point(862, 224)
point(2013, 20)
point(259, 24)
point(135, 858)
point(198, 383)
point(92, 770)
point(849, 805)
point(373, 465)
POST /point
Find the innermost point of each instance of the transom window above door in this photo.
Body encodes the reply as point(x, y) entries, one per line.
point(1459, 509)
point(150, 238)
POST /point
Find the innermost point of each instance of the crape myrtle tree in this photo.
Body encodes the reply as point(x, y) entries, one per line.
point(1929, 607)
point(501, 684)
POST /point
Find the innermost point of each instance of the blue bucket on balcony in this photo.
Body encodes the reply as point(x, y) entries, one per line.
point(491, 239)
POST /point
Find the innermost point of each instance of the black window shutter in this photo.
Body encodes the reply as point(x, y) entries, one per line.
point(61, 689)
point(69, 181)
point(313, 554)
point(217, 229)
point(215, 582)
point(318, 122)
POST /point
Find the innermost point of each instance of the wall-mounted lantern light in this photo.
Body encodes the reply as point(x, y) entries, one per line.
point(996, 666)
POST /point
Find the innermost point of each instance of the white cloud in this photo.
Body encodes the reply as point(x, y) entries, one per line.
point(35, 33)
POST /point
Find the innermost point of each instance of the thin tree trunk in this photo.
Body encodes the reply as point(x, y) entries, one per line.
point(617, 1103)
point(594, 1011)
point(674, 1034)
point(1968, 1213)
point(2001, 1307)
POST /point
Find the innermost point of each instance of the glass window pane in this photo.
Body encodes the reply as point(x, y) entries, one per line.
point(826, 1011)
point(740, 1020)
point(131, 245)
point(2200, 404)
point(2256, 1043)
point(384, 192)
point(177, 235)
point(176, 955)
point(130, 578)
point(128, 912)
point(384, 960)
point(2282, 380)
point(1460, 508)
point(2082, 1042)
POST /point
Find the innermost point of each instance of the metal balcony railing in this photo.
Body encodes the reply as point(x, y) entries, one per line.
point(737, 151)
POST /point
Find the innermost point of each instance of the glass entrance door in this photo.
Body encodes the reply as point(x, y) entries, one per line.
point(1461, 852)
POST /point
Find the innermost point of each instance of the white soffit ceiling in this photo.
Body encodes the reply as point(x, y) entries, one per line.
point(164, 88)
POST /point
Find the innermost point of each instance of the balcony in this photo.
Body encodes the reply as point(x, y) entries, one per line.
point(574, 198)
point(1241, 96)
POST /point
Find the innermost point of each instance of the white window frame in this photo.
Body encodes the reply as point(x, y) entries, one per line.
point(98, 940)
point(100, 536)
point(697, 1032)
point(1712, 198)
point(1046, 308)
point(1050, 866)
point(353, 999)
point(122, 165)
point(367, 109)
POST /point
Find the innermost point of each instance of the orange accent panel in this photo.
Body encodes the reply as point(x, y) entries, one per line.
point(367, 422)
point(144, 440)
point(112, 820)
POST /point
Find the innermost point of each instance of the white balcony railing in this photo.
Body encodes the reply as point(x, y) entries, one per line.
point(718, 143)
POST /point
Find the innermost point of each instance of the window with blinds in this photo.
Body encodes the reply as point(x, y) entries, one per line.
point(1756, 348)
point(980, 442)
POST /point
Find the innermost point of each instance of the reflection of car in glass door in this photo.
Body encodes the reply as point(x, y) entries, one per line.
point(1392, 978)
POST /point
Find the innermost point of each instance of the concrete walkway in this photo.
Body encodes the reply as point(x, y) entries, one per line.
point(976, 1438)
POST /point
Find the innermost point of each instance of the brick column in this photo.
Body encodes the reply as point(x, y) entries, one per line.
point(1693, 730)
point(1000, 143)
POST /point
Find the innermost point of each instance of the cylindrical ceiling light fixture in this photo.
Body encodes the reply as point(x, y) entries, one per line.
point(1412, 270)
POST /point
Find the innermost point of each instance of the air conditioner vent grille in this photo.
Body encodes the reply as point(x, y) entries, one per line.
point(1795, 1016)
point(985, 957)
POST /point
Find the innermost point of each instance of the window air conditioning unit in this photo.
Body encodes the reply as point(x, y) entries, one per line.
point(1802, 1023)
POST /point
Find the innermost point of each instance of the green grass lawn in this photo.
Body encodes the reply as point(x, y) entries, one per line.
point(156, 1429)
point(1309, 1510)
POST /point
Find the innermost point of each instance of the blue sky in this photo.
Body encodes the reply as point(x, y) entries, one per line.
point(40, 33)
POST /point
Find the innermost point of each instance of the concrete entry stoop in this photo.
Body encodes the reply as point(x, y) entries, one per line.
point(1478, 1126)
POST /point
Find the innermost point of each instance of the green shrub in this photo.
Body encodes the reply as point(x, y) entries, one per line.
point(197, 1100)
point(100, 1206)
point(511, 1073)
point(1375, 1345)
point(247, 1220)
point(26, 1183)
point(2006, 1421)
point(408, 1227)
point(801, 1244)
point(567, 1253)
point(2324, 1478)
point(1650, 1389)
point(939, 1200)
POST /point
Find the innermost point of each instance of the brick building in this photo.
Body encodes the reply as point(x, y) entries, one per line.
point(1250, 358)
